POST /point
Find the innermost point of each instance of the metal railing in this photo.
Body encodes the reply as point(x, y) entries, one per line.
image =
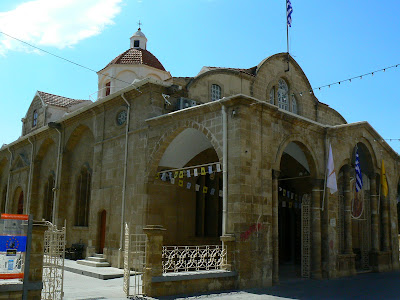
point(193, 258)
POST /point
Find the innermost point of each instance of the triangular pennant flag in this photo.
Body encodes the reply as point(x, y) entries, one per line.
point(205, 189)
point(195, 173)
point(157, 175)
point(188, 173)
point(212, 191)
point(197, 187)
point(164, 176)
point(176, 174)
point(181, 174)
point(188, 185)
point(210, 170)
point(218, 167)
point(180, 183)
point(173, 180)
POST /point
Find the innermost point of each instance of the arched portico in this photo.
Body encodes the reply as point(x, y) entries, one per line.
point(185, 196)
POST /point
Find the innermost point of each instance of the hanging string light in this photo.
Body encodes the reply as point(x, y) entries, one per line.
point(349, 79)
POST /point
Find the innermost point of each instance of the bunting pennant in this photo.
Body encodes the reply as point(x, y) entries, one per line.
point(164, 177)
point(221, 193)
point(197, 187)
point(195, 173)
point(180, 183)
point(188, 173)
point(157, 175)
point(205, 189)
point(176, 174)
point(210, 170)
point(218, 167)
point(188, 185)
point(181, 174)
point(203, 171)
point(212, 191)
point(173, 180)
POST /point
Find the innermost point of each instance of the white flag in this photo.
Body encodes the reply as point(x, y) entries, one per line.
point(331, 179)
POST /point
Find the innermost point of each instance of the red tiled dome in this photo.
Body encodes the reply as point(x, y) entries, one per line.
point(137, 57)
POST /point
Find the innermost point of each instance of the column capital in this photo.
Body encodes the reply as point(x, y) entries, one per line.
point(275, 174)
point(318, 183)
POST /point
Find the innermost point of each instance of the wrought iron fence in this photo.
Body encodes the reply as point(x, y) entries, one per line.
point(193, 258)
point(53, 263)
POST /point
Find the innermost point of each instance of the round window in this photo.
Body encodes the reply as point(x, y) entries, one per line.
point(121, 117)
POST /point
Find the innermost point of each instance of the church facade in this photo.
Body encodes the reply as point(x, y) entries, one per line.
point(231, 156)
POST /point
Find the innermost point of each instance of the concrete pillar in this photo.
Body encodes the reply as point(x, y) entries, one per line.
point(153, 256)
point(316, 228)
point(275, 226)
point(348, 242)
point(374, 214)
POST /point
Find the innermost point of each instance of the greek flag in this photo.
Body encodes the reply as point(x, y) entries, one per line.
point(359, 182)
point(289, 11)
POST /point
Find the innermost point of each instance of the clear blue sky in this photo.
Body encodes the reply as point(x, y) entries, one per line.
point(331, 40)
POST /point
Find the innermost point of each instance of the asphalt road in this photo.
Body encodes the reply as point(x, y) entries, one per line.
point(362, 286)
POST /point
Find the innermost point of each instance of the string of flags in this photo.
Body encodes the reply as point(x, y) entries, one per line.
point(178, 176)
point(293, 199)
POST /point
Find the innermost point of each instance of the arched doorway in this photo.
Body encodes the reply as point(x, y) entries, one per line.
point(361, 204)
point(294, 190)
point(18, 202)
point(186, 197)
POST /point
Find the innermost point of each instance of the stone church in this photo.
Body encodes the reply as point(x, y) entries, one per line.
point(231, 156)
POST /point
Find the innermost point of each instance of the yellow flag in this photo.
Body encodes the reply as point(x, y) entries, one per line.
point(384, 184)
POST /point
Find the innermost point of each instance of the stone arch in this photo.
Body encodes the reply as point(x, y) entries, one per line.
point(307, 150)
point(155, 76)
point(44, 147)
point(76, 136)
point(170, 135)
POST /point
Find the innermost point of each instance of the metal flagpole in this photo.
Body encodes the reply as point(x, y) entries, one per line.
point(287, 34)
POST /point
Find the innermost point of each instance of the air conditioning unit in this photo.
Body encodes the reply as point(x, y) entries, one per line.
point(185, 103)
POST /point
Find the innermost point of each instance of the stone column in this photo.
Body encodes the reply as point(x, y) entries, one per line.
point(316, 228)
point(374, 214)
point(385, 222)
point(275, 227)
point(228, 241)
point(348, 242)
point(36, 260)
point(153, 256)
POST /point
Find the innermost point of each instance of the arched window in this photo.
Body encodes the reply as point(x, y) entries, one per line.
point(294, 105)
point(108, 88)
point(215, 92)
point(272, 95)
point(3, 200)
point(48, 199)
point(34, 118)
point(83, 198)
point(20, 207)
point(283, 100)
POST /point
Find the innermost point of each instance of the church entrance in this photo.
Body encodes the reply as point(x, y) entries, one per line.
point(294, 185)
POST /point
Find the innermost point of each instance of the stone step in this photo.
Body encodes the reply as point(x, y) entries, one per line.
point(99, 255)
point(96, 259)
point(86, 262)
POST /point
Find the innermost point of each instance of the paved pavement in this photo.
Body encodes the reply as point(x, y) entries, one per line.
point(363, 286)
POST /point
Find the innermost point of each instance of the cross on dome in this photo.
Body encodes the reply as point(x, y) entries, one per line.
point(138, 40)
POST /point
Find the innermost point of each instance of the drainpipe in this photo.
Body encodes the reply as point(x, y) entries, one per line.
point(8, 182)
point(56, 190)
point(124, 182)
point(29, 194)
point(224, 171)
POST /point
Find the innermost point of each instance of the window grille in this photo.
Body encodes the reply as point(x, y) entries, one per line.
point(272, 96)
point(215, 92)
point(283, 101)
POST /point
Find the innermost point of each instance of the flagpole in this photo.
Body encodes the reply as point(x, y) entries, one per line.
point(287, 37)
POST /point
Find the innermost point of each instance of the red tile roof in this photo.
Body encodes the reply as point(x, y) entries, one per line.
point(250, 71)
point(137, 57)
point(59, 101)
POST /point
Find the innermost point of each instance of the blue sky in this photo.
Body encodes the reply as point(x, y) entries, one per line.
point(331, 40)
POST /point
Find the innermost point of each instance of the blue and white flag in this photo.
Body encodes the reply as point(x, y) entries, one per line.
point(289, 11)
point(359, 182)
